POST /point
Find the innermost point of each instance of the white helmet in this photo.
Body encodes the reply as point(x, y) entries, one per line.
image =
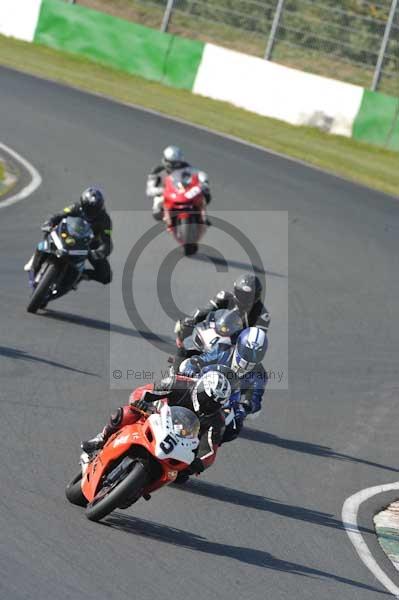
point(210, 392)
point(172, 157)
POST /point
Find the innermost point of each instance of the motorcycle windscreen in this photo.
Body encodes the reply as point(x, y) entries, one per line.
point(78, 228)
point(183, 177)
point(185, 423)
point(228, 323)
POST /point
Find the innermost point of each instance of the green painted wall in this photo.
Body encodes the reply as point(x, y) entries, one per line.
point(118, 43)
point(378, 120)
point(174, 60)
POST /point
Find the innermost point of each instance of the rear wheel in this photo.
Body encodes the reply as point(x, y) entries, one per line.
point(40, 293)
point(117, 495)
point(73, 491)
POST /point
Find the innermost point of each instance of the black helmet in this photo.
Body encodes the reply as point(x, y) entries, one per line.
point(247, 290)
point(210, 392)
point(92, 202)
point(172, 158)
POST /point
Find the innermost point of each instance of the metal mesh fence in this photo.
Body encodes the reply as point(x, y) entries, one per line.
point(335, 38)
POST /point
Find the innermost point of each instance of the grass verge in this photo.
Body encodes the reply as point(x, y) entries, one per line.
point(7, 179)
point(357, 161)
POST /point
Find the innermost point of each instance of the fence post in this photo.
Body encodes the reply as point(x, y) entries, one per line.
point(273, 30)
point(384, 44)
point(167, 15)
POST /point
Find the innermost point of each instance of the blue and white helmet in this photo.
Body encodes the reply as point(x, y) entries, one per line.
point(250, 350)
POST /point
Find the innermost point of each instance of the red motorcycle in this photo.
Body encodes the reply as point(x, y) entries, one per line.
point(185, 208)
point(135, 461)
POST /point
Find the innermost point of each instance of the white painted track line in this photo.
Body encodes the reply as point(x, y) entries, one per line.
point(36, 179)
point(350, 511)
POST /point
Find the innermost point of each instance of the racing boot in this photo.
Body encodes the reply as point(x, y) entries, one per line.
point(95, 444)
point(28, 266)
point(182, 478)
point(82, 277)
point(157, 208)
point(33, 262)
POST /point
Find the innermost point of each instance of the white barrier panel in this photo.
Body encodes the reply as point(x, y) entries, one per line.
point(276, 91)
point(18, 18)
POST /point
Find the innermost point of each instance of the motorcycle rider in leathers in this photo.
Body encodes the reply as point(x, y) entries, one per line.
point(172, 160)
point(204, 396)
point(246, 297)
point(90, 208)
point(249, 378)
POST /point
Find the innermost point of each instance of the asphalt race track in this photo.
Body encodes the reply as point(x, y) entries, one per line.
point(265, 521)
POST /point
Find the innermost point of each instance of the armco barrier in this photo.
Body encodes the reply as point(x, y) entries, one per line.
point(260, 86)
point(118, 43)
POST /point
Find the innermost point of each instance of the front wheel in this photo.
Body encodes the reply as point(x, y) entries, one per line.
point(187, 230)
point(42, 289)
point(190, 249)
point(129, 487)
point(73, 491)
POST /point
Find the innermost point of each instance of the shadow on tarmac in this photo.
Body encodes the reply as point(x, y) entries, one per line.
point(16, 354)
point(250, 556)
point(263, 437)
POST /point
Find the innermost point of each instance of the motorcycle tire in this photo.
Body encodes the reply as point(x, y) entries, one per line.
point(135, 481)
point(73, 492)
point(187, 231)
point(38, 298)
point(190, 249)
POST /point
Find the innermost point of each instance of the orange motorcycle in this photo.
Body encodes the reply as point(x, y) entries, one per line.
point(135, 461)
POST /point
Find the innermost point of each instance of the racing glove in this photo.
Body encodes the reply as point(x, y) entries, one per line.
point(46, 227)
point(188, 369)
point(144, 406)
point(165, 385)
point(97, 254)
point(184, 327)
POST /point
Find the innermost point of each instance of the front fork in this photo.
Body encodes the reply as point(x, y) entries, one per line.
point(38, 258)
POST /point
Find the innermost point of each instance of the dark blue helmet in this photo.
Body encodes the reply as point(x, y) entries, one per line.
point(92, 202)
point(250, 350)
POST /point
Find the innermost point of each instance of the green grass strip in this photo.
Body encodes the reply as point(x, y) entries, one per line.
point(357, 161)
point(6, 183)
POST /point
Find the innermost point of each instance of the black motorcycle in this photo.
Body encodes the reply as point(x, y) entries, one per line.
point(60, 262)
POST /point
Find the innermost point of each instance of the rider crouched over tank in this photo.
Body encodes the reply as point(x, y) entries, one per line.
point(204, 396)
point(242, 365)
point(246, 298)
point(91, 208)
point(172, 160)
